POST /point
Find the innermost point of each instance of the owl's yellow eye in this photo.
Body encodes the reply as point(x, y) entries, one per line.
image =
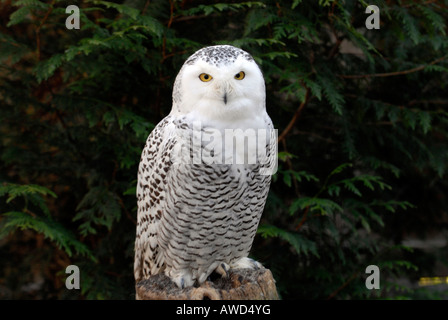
point(205, 77)
point(240, 75)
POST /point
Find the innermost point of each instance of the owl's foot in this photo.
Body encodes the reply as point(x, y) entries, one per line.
point(182, 280)
point(246, 263)
point(223, 270)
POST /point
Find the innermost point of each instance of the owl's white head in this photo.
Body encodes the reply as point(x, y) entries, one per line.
point(220, 83)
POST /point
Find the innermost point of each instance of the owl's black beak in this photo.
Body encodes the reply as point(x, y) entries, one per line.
point(225, 98)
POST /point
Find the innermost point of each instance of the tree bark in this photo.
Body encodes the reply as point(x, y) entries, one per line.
point(240, 284)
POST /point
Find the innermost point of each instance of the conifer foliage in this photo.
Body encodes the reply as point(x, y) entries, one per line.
point(361, 113)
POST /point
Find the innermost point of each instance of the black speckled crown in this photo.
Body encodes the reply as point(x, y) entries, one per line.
point(219, 55)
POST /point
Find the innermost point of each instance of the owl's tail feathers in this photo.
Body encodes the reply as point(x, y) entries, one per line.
point(138, 265)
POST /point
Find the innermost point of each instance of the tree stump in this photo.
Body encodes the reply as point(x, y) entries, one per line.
point(240, 284)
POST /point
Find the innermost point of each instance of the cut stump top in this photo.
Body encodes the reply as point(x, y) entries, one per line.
point(241, 284)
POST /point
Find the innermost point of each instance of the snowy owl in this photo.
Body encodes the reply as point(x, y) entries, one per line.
point(205, 171)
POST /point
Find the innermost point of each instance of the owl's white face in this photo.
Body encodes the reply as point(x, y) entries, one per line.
point(223, 83)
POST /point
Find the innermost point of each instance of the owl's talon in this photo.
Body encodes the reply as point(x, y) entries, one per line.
point(246, 263)
point(182, 281)
point(223, 270)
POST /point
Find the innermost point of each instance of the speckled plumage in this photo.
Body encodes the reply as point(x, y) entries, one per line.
point(198, 217)
point(218, 55)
